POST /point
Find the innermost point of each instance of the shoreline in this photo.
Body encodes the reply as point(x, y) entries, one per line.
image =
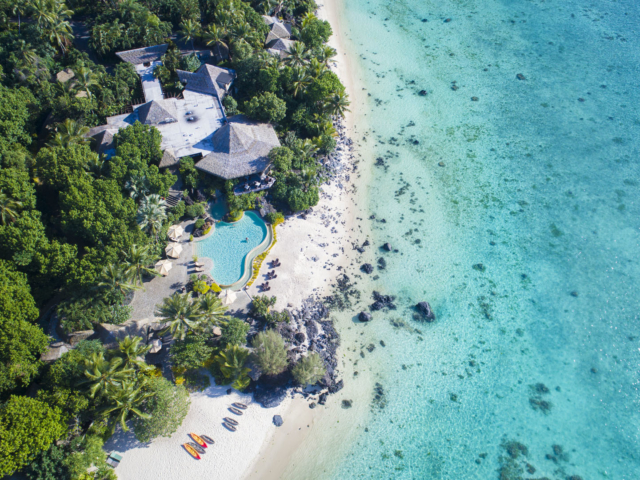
point(283, 443)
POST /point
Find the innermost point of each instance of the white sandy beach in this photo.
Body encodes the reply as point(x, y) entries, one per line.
point(232, 454)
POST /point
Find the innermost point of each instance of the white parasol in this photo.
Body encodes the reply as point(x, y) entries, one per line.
point(173, 250)
point(163, 267)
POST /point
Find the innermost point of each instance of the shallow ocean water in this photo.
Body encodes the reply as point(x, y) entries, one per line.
point(525, 243)
point(229, 245)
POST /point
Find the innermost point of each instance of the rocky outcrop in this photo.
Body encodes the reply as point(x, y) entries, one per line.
point(364, 317)
point(111, 334)
point(425, 311)
point(270, 397)
point(277, 420)
point(382, 302)
point(367, 268)
point(76, 337)
point(55, 351)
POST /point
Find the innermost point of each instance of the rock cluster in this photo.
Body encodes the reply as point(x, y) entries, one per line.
point(382, 302)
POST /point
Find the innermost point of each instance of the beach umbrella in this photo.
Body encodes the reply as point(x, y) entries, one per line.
point(163, 267)
point(175, 231)
point(173, 250)
point(228, 297)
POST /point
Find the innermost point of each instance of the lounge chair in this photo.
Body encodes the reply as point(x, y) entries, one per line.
point(199, 265)
point(199, 269)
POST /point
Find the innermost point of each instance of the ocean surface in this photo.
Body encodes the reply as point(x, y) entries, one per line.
point(510, 190)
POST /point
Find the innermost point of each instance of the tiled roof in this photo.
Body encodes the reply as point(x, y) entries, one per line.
point(241, 148)
point(154, 112)
point(143, 55)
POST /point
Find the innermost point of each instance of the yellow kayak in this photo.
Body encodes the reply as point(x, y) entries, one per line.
point(191, 450)
point(198, 440)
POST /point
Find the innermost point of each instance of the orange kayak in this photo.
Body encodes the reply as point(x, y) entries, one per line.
point(191, 450)
point(198, 440)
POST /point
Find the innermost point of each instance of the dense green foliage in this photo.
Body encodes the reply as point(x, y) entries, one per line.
point(269, 352)
point(27, 427)
point(167, 409)
point(192, 352)
point(21, 341)
point(229, 367)
point(309, 370)
point(234, 332)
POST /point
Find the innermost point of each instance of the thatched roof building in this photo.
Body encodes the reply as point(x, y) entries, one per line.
point(240, 148)
point(139, 56)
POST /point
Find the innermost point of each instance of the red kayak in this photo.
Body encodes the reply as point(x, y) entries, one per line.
point(198, 440)
point(191, 450)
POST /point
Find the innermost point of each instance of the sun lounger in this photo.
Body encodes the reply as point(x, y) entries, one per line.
point(199, 265)
point(200, 270)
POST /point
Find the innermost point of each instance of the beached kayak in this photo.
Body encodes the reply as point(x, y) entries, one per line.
point(209, 440)
point(198, 440)
point(197, 447)
point(191, 450)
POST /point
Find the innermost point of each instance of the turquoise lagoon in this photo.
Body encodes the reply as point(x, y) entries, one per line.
point(525, 242)
point(229, 245)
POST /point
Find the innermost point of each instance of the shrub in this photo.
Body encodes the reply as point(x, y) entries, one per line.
point(215, 287)
point(282, 158)
point(207, 230)
point(269, 352)
point(194, 210)
point(230, 366)
point(235, 215)
point(190, 353)
point(168, 407)
point(266, 107)
point(261, 305)
point(230, 105)
point(309, 370)
point(274, 218)
point(234, 332)
point(191, 238)
point(199, 223)
point(201, 287)
point(276, 317)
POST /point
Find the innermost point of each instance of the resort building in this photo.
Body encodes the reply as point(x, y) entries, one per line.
point(196, 124)
point(278, 40)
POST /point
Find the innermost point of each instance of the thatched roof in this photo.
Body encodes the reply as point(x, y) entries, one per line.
point(208, 79)
point(65, 75)
point(169, 159)
point(269, 20)
point(281, 44)
point(143, 55)
point(104, 142)
point(240, 149)
point(155, 112)
point(278, 30)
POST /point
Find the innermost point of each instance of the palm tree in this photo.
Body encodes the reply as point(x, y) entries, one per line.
point(41, 12)
point(300, 80)
point(114, 279)
point(94, 166)
point(139, 261)
point(20, 9)
point(307, 19)
point(137, 186)
point(85, 78)
point(337, 104)
point(123, 400)
point(73, 132)
point(8, 208)
point(181, 313)
point(27, 53)
point(316, 68)
point(132, 353)
point(189, 30)
point(212, 309)
point(297, 55)
point(102, 373)
point(326, 54)
point(308, 148)
point(60, 34)
point(151, 214)
point(215, 35)
point(231, 362)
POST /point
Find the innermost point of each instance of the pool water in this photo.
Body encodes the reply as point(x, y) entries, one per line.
point(229, 245)
point(218, 209)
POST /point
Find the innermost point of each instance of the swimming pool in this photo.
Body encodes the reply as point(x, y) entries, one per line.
point(230, 245)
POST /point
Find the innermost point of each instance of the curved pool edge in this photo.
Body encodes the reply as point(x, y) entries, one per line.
point(250, 257)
